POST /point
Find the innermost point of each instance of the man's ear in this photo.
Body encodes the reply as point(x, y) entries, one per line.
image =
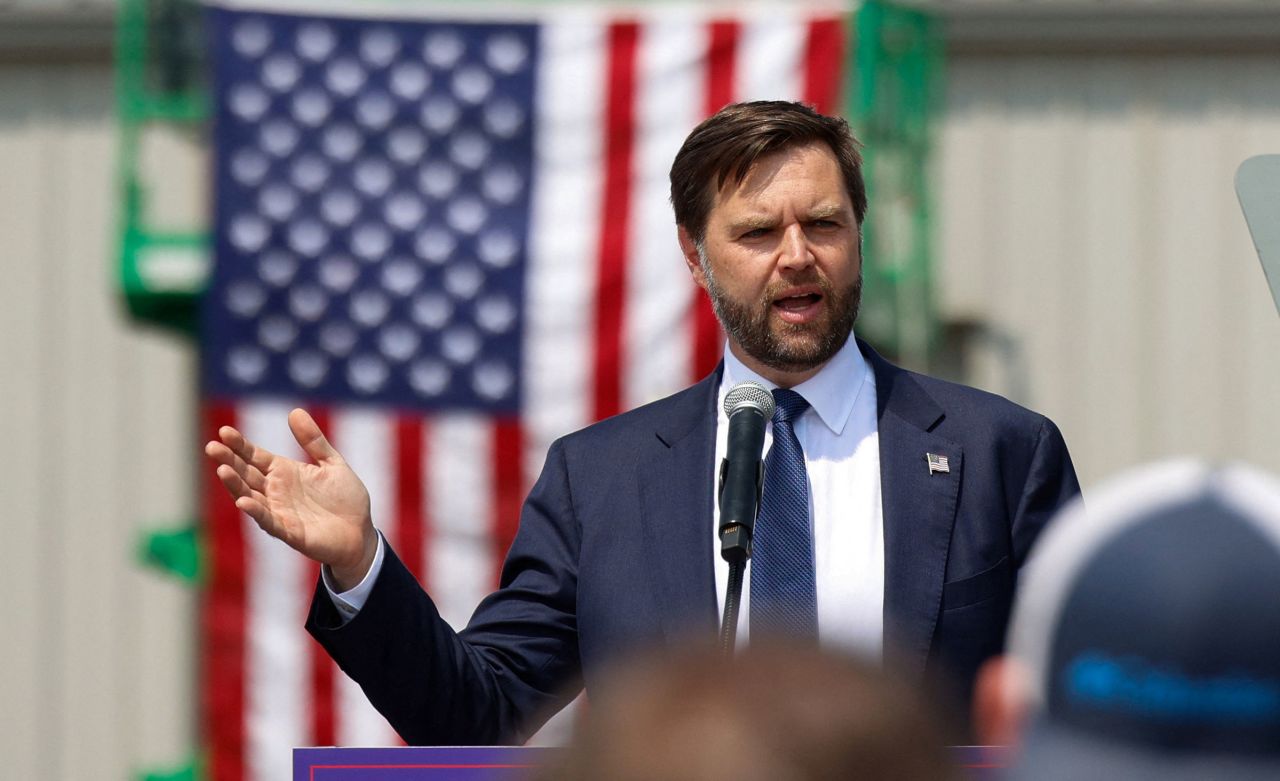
point(690, 251)
point(1001, 699)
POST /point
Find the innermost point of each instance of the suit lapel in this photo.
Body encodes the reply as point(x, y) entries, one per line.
point(676, 489)
point(919, 511)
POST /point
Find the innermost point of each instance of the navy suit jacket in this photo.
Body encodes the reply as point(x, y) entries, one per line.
point(614, 553)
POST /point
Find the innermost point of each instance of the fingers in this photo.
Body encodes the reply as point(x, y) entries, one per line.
point(249, 501)
point(251, 454)
point(313, 442)
point(237, 486)
point(221, 454)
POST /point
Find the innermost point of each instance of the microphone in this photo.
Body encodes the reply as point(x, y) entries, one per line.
point(749, 406)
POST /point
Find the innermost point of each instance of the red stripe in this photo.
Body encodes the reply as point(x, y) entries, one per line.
point(410, 541)
point(508, 485)
point(824, 64)
point(722, 55)
point(619, 143)
point(411, 507)
point(223, 617)
point(324, 712)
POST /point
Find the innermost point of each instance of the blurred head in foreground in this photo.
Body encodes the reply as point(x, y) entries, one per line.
point(1145, 643)
point(772, 714)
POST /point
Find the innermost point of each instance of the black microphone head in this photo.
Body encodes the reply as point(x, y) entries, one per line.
point(749, 395)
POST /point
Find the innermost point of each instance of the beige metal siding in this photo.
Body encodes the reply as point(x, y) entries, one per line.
point(96, 424)
point(1086, 212)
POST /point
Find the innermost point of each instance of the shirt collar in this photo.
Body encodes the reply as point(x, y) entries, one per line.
point(827, 391)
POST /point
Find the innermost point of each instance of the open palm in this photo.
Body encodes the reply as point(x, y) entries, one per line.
point(320, 509)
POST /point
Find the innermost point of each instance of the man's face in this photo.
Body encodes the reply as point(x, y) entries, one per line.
point(781, 263)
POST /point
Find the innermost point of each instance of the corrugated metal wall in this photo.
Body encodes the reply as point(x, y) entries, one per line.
point(96, 444)
point(1087, 220)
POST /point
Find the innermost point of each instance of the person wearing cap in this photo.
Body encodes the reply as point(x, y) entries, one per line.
point(897, 508)
point(1145, 642)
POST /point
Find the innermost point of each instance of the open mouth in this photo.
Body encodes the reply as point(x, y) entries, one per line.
point(798, 307)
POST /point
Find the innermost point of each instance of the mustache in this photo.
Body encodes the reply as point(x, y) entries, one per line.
point(775, 289)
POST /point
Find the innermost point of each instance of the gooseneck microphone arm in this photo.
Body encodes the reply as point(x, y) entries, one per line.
point(749, 406)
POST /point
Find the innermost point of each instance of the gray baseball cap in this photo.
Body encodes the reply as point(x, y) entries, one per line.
point(1151, 624)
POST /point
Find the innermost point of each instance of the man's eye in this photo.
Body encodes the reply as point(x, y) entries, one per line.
point(755, 233)
point(826, 224)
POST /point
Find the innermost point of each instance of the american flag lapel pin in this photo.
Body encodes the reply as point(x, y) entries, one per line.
point(938, 463)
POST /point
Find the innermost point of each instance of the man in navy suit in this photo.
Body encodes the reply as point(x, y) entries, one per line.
point(923, 496)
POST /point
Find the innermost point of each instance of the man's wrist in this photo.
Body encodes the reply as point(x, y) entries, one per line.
point(348, 577)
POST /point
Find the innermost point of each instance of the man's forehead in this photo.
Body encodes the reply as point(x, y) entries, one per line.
point(809, 172)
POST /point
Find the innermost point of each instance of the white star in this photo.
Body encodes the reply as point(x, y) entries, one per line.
point(281, 72)
point(341, 142)
point(429, 377)
point(277, 268)
point(338, 338)
point(338, 272)
point(245, 298)
point(367, 373)
point(278, 137)
point(398, 341)
point(442, 49)
point(248, 102)
point(369, 308)
point(246, 365)
point(308, 302)
point(431, 310)
point(308, 368)
point(379, 46)
point(277, 332)
point(506, 53)
point(251, 37)
point(344, 76)
point(315, 41)
point(308, 237)
point(248, 232)
point(409, 80)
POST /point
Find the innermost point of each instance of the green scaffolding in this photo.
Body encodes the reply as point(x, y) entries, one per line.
point(159, 82)
point(894, 92)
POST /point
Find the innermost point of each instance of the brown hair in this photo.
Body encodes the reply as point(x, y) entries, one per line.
point(729, 142)
point(772, 713)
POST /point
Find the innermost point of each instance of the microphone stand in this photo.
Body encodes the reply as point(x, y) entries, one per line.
point(748, 407)
point(735, 548)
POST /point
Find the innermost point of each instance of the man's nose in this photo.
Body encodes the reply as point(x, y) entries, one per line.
point(794, 253)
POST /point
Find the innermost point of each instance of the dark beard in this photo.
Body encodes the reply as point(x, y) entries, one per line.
point(788, 347)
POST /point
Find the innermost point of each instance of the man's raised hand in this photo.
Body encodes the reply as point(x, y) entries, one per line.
point(320, 509)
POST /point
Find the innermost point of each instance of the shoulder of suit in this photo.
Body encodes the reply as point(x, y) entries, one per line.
point(973, 406)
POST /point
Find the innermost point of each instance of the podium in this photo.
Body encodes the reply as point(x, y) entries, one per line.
point(501, 763)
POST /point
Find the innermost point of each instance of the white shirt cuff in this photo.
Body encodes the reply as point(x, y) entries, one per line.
point(349, 602)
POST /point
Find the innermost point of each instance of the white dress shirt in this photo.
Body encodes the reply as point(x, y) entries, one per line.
point(841, 452)
point(842, 456)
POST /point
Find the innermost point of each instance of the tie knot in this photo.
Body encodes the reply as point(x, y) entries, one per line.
point(790, 405)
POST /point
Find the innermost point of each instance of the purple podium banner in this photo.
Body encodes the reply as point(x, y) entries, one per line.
point(411, 763)
point(499, 763)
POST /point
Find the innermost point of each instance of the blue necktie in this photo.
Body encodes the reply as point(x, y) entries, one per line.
point(783, 589)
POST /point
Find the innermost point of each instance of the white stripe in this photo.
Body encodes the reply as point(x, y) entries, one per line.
point(461, 561)
point(564, 235)
point(770, 63)
point(366, 440)
point(670, 93)
point(278, 689)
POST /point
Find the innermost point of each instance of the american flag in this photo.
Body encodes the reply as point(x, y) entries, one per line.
point(449, 238)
